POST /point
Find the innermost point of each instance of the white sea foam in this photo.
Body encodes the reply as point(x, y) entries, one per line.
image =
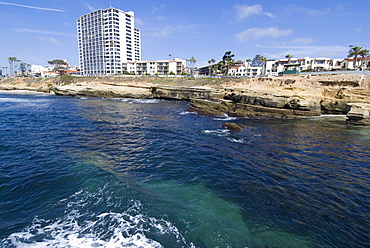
point(146, 101)
point(236, 140)
point(224, 117)
point(23, 100)
point(81, 228)
point(126, 100)
point(59, 235)
point(332, 116)
point(188, 113)
point(218, 132)
point(15, 103)
point(137, 101)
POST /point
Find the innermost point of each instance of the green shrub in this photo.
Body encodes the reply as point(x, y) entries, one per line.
point(66, 79)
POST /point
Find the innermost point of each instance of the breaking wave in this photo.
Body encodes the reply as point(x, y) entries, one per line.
point(80, 227)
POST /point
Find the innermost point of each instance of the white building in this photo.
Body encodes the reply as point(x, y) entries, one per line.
point(46, 74)
point(267, 68)
point(361, 63)
point(158, 67)
point(36, 70)
point(306, 64)
point(245, 70)
point(106, 39)
point(316, 64)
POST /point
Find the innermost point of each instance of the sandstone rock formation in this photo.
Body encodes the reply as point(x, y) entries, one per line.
point(277, 97)
point(358, 113)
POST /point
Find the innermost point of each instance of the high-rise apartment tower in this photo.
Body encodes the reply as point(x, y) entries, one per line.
point(106, 38)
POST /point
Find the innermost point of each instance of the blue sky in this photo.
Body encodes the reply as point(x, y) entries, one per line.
point(36, 31)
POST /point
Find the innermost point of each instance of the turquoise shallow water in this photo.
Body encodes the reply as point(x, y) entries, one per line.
point(81, 172)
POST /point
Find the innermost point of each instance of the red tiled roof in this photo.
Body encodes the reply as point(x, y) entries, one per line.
point(359, 58)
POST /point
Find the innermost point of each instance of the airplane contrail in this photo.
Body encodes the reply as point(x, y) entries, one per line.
point(32, 7)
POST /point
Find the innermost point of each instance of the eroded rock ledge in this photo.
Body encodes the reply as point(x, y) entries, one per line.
point(280, 97)
point(358, 114)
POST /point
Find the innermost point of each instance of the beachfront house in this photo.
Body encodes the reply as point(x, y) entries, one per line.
point(267, 68)
point(281, 64)
point(158, 67)
point(361, 63)
point(307, 64)
point(316, 64)
point(245, 70)
point(68, 72)
point(47, 74)
point(36, 70)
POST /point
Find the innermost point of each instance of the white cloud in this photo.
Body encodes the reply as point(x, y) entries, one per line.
point(32, 7)
point(158, 8)
point(257, 33)
point(309, 12)
point(358, 30)
point(164, 32)
point(138, 21)
point(317, 12)
point(168, 30)
point(302, 41)
point(161, 18)
point(310, 51)
point(50, 39)
point(269, 15)
point(244, 11)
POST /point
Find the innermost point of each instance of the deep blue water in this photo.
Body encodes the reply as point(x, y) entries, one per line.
point(80, 172)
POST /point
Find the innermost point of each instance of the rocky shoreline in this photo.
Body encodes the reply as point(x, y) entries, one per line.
point(279, 97)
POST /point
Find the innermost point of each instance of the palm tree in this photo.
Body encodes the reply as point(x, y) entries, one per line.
point(213, 61)
point(248, 62)
point(363, 53)
point(11, 61)
point(228, 61)
point(192, 65)
point(16, 63)
point(288, 56)
point(354, 52)
point(209, 67)
point(23, 67)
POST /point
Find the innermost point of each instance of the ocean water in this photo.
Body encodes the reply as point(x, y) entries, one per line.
point(89, 172)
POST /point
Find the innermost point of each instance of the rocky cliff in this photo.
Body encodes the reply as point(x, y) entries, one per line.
point(281, 97)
